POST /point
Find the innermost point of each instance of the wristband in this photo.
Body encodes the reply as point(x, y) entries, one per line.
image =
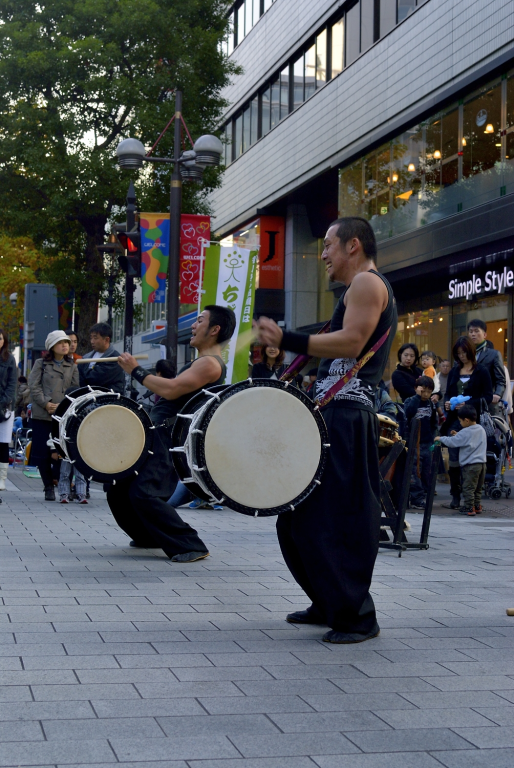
point(295, 342)
point(139, 374)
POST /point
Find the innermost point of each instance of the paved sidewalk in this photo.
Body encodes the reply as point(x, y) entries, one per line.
point(112, 655)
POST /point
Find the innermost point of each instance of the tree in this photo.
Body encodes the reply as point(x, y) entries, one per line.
point(76, 77)
point(20, 263)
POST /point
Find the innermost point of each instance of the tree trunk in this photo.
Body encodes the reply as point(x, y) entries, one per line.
point(88, 296)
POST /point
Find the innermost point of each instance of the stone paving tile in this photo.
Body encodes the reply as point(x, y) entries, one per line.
point(318, 722)
point(227, 725)
point(411, 739)
point(254, 704)
point(83, 692)
point(48, 753)
point(180, 747)
point(384, 760)
point(108, 728)
point(488, 738)
point(435, 718)
point(471, 683)
point(287, 744)
point(490, 758)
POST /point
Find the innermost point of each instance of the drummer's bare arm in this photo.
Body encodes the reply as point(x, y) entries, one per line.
point(365, 301)
point(204, 371)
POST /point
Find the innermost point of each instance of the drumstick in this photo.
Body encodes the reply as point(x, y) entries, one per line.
point(301, 360)
point(107, 359)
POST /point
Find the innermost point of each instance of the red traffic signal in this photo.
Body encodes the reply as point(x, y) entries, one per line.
point(131, 244)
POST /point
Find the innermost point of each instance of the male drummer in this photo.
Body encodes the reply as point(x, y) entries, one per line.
point(330, 541)
point(139, 503)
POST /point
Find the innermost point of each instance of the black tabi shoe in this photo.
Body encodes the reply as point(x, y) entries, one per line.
point(189, 557)
point(310, 616)
point(142, 546)
point(347, 638)
point(50, 493)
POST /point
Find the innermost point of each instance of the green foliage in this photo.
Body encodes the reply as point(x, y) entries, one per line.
point(76, 77)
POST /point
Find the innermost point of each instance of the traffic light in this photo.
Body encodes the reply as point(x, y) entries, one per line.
point(130, 261)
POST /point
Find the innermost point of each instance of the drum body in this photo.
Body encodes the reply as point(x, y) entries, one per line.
point(388, 431)
point(105, 435)
point(258, 446)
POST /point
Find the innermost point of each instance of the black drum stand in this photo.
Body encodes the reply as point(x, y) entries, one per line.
point(395, 495)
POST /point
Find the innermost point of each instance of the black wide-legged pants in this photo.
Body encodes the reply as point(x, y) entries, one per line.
point(330, 541)
point(138, 504)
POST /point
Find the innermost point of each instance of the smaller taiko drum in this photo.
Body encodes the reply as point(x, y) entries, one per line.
point(388, 431)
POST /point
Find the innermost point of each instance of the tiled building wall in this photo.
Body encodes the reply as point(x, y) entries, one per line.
point(440, 44)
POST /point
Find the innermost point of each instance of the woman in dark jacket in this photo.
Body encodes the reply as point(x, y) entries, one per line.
point(7, 400)
point(272, 366)
point(471, 379)
point(406, 373)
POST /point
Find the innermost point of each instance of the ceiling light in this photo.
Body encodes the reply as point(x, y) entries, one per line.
point(440, 319)
point(497, 145)
point(500, 330)
point(437, 154)
point(464, 142)
point(489, 128)
point(411, 167)
point(395, 178)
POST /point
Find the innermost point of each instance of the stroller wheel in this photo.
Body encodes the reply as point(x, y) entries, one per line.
point(508, 492)
point(495, 494)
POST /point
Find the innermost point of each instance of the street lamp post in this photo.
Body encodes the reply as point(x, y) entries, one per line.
point(190, 165)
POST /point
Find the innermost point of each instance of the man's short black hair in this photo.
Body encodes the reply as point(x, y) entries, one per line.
point(166, 368)
point(467, 412)
point(426, 382)
point(477, 324)
point(102, 329)
point(225, 318)
point(72, 333)
point(356, 226)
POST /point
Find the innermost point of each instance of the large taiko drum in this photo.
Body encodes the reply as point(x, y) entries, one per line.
point(106, 435)
point(258, 446)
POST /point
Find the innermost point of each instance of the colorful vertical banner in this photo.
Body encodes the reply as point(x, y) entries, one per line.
point(155, 249)
point(65, 309)
point(229, 280)
point(195, 233)
point(272, 251)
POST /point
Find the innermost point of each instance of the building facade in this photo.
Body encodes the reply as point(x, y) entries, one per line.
point(400, 111)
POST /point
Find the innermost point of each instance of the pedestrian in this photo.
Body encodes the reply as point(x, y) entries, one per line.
point(330, 540)
point(23, 396)
point(407, 372)
point(311, 379)
point(7, 403)
point(490, 358)
point(64, 488)
point(441, 380)
point(470, 379)
point(420, 408)
point(48, 381)
point(428, 361)
point(97, 374)
point(74, 342)
point(272, 364)
point(384, 406)
point(471, 441)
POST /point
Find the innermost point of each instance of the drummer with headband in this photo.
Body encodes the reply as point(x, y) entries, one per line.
point(139, 503)
point(330, 541)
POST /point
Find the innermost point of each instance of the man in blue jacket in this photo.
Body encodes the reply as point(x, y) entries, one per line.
point(97, 374)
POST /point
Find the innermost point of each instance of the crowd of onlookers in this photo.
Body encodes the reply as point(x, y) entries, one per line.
point(447, 397)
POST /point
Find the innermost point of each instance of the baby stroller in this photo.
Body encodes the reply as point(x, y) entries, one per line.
point(499, 453)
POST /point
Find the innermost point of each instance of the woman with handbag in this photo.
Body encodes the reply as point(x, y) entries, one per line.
point(467, 378)
point(7, 399)
point(48, 381)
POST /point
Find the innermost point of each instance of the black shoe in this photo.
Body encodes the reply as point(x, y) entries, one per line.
point(142, 546)
point(417, 504)
point(189, 557)
point(347, 638)
point(310, 616)
point(454, 503)
point(50, 493)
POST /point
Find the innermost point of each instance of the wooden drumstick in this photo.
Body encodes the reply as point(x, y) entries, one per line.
point(107, 359)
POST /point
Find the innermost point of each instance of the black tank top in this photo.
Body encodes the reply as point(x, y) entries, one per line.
point(359, 391)
point(166, 409)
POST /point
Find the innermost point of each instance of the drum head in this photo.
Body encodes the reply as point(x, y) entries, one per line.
point(111, 439)
point(263, 446)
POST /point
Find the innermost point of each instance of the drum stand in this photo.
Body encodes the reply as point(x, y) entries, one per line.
point(394, 516)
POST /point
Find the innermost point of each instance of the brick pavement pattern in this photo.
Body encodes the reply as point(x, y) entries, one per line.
point(110, 655)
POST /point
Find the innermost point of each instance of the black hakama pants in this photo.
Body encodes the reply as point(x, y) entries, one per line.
point(330, 541)
point(138, 504)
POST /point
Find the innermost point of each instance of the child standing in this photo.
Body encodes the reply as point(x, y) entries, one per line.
point(428, 361)
point(472, 441)
point(420, 407)
point(64, 487)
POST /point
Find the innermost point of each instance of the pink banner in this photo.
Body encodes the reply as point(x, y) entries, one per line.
point(195, 230)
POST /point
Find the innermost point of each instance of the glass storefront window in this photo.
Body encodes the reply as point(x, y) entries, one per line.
point(407, 180)
point(321, 59)
point(493, 310)
point(482, 145)
point(275, 103)
point(266, 111)
point(509, 138)
point(326, 297)
point(377, 180)
point(350, 190)
point(310, 71)
point(427, 329)
point(298, 82)
point(284, 93)
point(337, 48)
point(353, 33)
